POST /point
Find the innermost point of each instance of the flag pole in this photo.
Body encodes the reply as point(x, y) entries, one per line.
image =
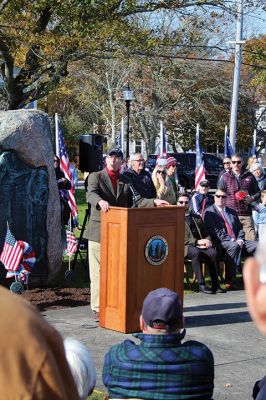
point(254, 142)
point(69, 255)
point(197, 129)
point(122, 135)
point(225, 140)
point(161, 138)
point(56, 135)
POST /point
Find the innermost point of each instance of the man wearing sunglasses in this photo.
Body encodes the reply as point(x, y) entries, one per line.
point(140, 178)
point(226, 168)
point(198, 245)
point(238, 179)
point(202, 199)
point(227, 233)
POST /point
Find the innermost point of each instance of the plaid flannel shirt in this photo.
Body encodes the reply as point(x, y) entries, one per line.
point(160, 367)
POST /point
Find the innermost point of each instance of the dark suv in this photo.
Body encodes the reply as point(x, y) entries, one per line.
point(186, 163)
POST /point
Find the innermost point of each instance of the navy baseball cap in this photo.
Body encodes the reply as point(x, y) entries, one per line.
point(162, 305)
point(115, 152)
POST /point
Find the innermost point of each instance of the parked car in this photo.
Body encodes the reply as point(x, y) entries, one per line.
point(186, 163)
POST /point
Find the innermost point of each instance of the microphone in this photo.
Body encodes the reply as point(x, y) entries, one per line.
point(135, 195)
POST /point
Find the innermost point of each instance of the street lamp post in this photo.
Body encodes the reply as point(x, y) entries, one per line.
point(127, 97)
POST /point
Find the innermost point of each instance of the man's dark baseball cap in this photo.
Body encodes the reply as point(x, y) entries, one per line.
point(162, 305)
point(115, 152)
point(205, 182)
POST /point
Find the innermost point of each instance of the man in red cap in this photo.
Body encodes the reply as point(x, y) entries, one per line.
point(161, 366)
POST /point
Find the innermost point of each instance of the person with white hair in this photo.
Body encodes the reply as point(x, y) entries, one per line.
point(81, 365)
point(140, 178)
point(259, 174)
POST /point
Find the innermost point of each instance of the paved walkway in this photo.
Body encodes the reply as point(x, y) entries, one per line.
point(220, 321)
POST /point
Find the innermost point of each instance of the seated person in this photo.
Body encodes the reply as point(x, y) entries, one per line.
point(161, 366)
point(227, 233)
point(202, 199)
point(197, 245)
point(33, 363)
point(81, 365)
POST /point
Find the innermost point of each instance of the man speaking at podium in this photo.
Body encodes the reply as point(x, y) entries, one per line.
point(108, 188)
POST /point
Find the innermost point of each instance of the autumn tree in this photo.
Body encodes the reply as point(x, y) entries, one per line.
point(38, 39)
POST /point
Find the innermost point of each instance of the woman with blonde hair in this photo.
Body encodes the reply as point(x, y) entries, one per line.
point(163, 186)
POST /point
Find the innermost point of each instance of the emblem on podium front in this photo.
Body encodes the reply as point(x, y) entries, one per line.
point(156, 250)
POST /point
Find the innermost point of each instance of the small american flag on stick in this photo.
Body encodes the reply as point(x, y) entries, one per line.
point(12, 252)
point(72, 243)
point(200, 169)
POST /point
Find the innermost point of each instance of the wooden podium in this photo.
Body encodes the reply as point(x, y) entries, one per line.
point(127, 273)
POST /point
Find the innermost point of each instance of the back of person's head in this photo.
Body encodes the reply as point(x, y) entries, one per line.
point(81, 365)
point(162, 311)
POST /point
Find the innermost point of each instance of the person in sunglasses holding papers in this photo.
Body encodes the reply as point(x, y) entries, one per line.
point(163, 186)
point(198, 245)
point(202, 199)
point(236, 182)
point(228, 236)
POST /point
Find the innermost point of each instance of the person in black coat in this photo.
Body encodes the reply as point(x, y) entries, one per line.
point(64, 185)
point(227, 233)
point(140, 178)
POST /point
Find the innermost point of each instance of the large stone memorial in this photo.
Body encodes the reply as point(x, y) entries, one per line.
point(29, 198)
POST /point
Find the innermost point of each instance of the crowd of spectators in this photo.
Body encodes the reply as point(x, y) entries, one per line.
point(227, 225)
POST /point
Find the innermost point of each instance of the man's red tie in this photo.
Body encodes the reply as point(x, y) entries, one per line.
point(203, 207)
point(228, 226)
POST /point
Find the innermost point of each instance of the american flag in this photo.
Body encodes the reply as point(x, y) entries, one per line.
point(27, 263)
point(12, 252)
point(72, 243)
point(65, 167)
point(200, 169)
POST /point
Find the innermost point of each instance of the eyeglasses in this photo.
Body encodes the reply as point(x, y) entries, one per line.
point(183, 202)
point(140, 160)
point(56, 161)
point(220, 196)
point(236, 162)
point(205, 186)
point(161, 172)
point(227, 162)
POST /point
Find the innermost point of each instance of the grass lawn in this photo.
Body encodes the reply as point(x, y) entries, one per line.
point(82, 204)
point(96, 395)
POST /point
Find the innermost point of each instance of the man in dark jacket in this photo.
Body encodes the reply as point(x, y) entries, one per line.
point(238, 179)
point(202, 198)
point(198, 246)
point(162, 365)
point(140, 178)
point(226, 232)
